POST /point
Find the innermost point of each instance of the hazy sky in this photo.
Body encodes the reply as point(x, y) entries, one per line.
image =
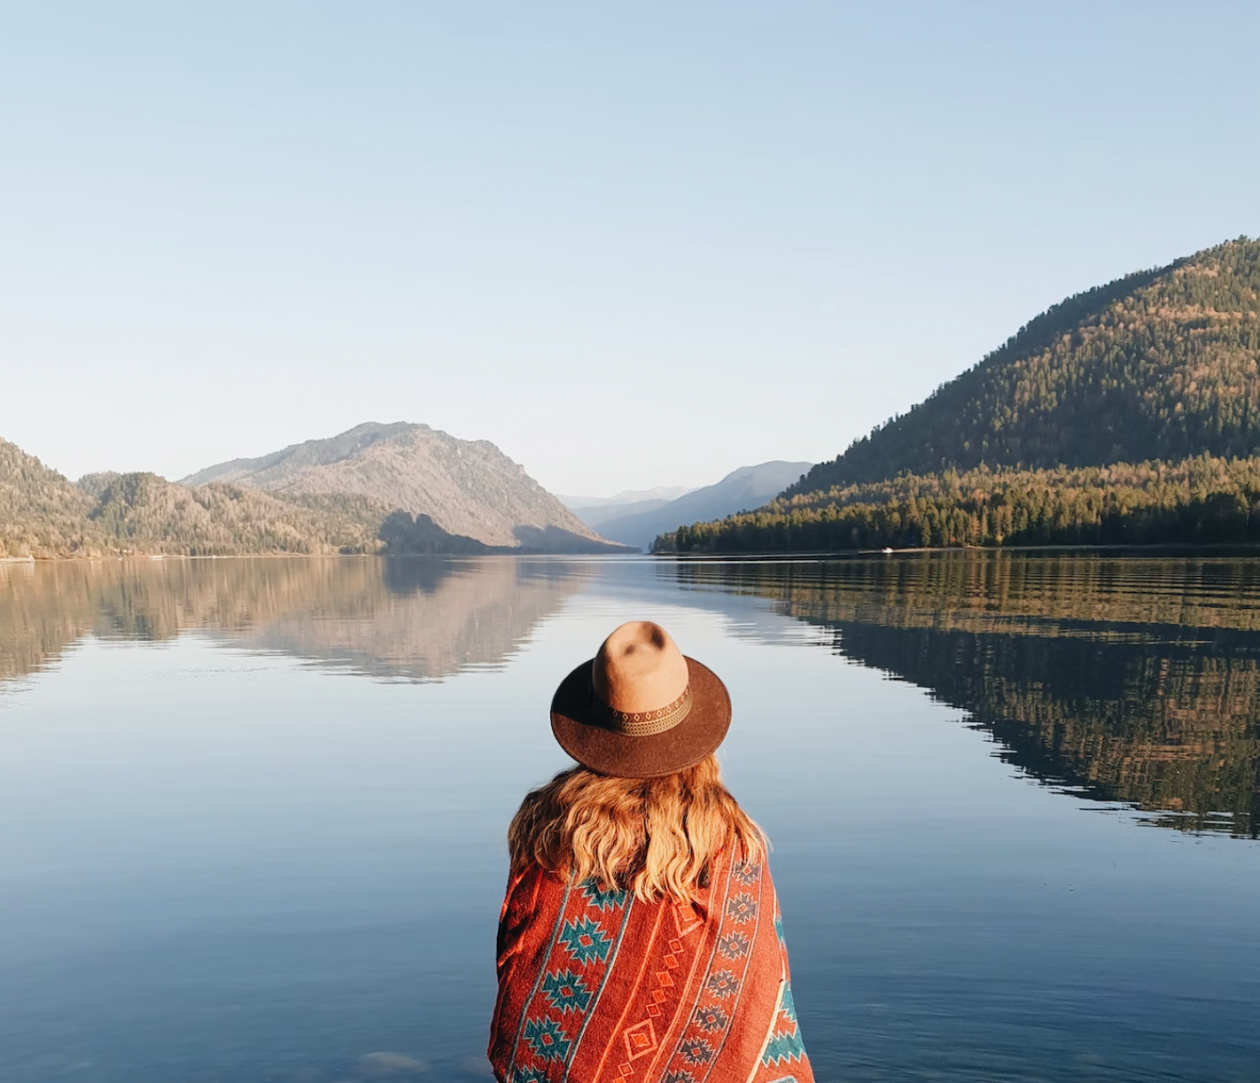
point(632, 244)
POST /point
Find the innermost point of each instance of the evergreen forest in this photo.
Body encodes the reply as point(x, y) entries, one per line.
point(44, 515)
point(1204, 500)
point(1127, 414)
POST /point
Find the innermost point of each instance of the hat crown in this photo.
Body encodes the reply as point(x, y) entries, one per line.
point(639, 669)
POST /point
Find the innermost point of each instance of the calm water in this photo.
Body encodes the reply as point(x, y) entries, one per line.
point(252, 812)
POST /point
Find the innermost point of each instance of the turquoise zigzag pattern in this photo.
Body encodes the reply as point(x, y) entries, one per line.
point(600, 898)
point(786, 1046)
point(786, 1004)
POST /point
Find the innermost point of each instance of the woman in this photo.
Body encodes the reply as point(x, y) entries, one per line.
point(640, 940)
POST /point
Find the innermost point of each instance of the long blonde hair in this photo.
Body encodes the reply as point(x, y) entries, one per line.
point(653, 836)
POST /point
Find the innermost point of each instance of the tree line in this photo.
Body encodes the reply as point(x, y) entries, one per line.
point(1202, 500)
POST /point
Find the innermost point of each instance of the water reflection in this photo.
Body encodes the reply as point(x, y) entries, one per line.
point(406, 618)
point(1121, 680)
point(299, 881)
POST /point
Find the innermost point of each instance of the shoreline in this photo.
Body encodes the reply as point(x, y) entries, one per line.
point(1240, 548)
point(812, 555)
point(530, 554)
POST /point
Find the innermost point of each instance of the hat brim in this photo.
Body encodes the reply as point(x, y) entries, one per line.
point(575, 723)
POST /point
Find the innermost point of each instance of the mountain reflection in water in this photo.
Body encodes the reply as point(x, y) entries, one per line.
point(217, 864)
point(1123, 680)
point(404, 618)
point(1129, 680)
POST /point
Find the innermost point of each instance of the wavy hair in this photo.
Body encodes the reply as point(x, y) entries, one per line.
point(657, 837)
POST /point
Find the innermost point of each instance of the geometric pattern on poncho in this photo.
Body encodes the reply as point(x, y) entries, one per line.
point(599, 987)
point(785, 1038)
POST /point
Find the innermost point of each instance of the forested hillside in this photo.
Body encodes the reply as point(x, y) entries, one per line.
point(41, 512)
point(1158, 365)
point(1203, 500)
point(300, 510)
point(44, 515)
point(148, 514)
point(1128, 414)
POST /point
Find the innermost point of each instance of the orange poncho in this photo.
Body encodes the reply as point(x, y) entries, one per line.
point(599, 987)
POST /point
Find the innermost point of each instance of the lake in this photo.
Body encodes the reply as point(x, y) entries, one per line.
point(253, 811)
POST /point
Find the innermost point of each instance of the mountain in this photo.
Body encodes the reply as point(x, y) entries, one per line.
point(595, 517)
point(44, 515)
point(1160, 364)
point(1126, 414)
point(663, 493)
point(41, 512)
point(1203, 500)
point(467, 488)
point(747, 487)
point(145, 513)
point(594, 511)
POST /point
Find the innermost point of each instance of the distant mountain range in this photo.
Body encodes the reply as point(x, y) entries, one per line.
point(376, 488)
point(626, 497)
point(1129, 412)
point(638, 523)
point(594, 510)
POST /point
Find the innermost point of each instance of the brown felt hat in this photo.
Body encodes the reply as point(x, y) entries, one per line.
point(640, 708)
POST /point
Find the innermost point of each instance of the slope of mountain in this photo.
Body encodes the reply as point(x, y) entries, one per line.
point(1129, 413)
point(663, 493)
point(747, 487)
point(44, 515)
point(147, 514)
point(1160, 364)
point(596, 517)
point(594, 511)
point(1200, 501)
point(41, 512)
point(466, 487)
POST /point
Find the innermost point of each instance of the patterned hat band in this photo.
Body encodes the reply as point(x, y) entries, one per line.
point(645, 723)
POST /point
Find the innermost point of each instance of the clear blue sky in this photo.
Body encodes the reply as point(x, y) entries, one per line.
point(631, 244)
